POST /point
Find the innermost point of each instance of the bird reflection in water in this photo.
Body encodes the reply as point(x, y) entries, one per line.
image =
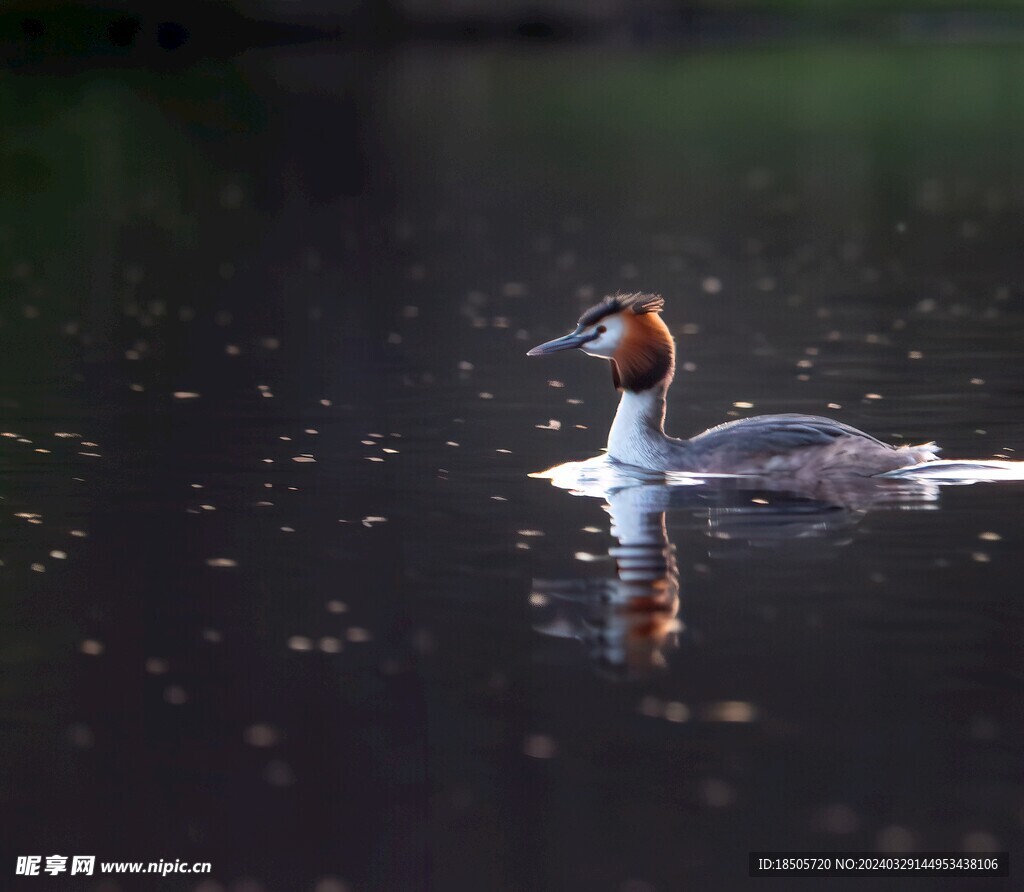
point(629, 622)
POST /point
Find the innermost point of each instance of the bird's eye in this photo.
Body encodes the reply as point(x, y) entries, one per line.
point(601, 329)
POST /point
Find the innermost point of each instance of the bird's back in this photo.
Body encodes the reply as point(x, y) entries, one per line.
point(801, 445)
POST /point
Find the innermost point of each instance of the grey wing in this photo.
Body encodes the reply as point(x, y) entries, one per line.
point(770, 434)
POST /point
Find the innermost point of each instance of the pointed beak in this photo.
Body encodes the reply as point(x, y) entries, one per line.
point(571, 341)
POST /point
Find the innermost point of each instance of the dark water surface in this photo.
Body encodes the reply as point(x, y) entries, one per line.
point(404, 664)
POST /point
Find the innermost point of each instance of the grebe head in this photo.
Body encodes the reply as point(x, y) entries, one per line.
point(628, 330)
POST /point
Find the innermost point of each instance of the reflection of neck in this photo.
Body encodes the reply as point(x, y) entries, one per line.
point(645, 599)
point(642, 552)
point(637, 434)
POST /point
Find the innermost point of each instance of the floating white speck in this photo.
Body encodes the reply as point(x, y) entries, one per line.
point(717, 793)
point(221, 562)
point(261, 735)
point(185, 395)
point(540, 746)
point(553, 425)
point(676, 711)
point(731, 711)
point(175, 695)
point(303, 458)
point(300, 642)
point(743, 404)
point(91, 647)
point(58, 555)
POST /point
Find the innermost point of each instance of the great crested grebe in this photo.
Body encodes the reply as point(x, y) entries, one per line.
point(628, 330)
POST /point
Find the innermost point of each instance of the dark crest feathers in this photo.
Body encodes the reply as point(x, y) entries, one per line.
point(621, 303)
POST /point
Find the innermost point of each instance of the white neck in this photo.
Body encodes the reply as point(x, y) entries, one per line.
point(637, 436)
